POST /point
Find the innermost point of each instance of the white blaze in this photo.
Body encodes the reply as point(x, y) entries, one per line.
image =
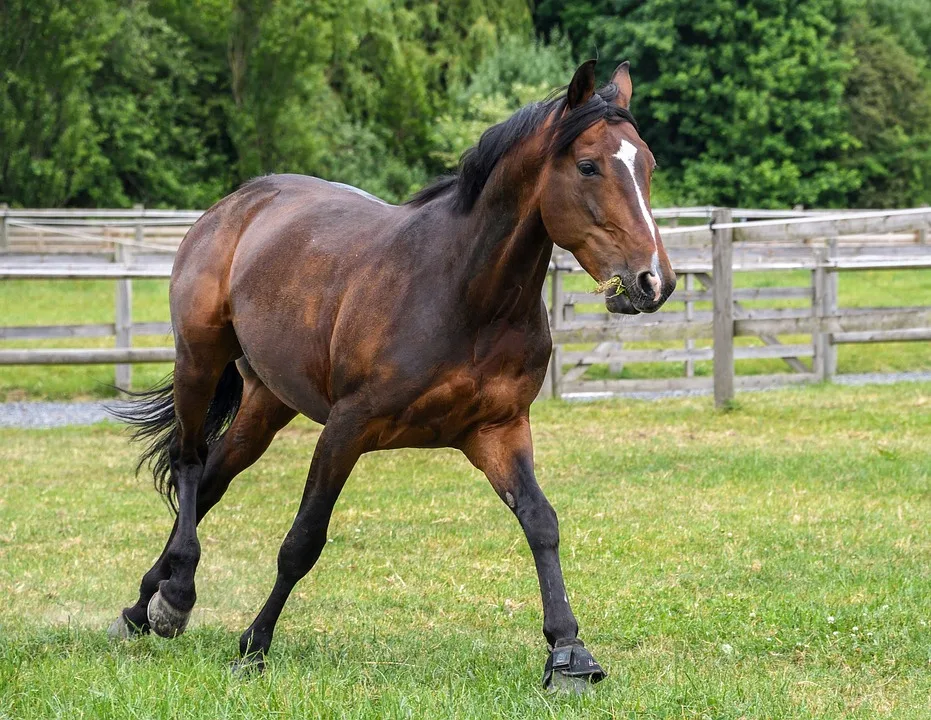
point(626, 154)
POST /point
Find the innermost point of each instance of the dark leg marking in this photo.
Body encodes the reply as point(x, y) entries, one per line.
point(261, 415)
point(334, 457)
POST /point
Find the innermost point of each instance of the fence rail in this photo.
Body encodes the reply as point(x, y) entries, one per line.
point(125, 245)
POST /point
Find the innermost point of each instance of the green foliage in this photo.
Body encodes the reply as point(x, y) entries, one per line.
point(765, 102)
point(740, 101)
point(158, 142)
point(48, 138)
point(349, 91)
point(908, 20)
point(176, 102)
point(521, 70)
point(890, 115)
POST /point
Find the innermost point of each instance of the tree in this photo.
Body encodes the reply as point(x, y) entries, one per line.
point(110, 102)
point(888, 99)
point(49, 143)
point(160, 142)
point(739, 101)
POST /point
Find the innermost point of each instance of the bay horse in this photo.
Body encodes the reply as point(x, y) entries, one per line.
point(419, 325)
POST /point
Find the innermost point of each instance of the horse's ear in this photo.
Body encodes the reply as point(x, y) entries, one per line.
point(625, 88)
point(582, 86)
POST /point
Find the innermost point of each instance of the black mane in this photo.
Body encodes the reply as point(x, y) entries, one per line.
point(477, 163)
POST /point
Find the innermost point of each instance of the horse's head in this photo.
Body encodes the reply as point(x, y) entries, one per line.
point(595, 198)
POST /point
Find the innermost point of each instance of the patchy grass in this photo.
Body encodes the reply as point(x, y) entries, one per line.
point(770, 561)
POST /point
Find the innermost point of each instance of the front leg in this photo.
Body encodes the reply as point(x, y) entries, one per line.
point(505, 454)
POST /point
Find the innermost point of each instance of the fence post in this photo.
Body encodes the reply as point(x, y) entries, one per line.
point(140, 224)
point(556, 323)
point(4, 228)
point(689, 316)
point(818, 292)
point(546, 391)
point(124, 304)
point(824, 304)
point(722, 269)
point(830, 308)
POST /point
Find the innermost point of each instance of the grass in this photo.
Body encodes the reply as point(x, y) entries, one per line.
point(75, 302)
point(770, 561)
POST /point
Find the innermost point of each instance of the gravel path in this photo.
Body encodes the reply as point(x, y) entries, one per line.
point(51, 414)
point(60, 414)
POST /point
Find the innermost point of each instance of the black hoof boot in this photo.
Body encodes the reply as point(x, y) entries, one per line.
point(164, 619)
point(571, 668)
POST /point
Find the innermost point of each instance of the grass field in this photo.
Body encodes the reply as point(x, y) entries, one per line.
point(66, 302)
point(767, 562)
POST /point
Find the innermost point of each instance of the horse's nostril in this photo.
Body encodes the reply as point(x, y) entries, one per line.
point(650, 284)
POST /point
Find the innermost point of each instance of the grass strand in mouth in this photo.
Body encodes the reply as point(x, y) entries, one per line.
point(614, 281)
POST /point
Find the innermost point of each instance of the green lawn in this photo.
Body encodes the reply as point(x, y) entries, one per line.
point(767, 562)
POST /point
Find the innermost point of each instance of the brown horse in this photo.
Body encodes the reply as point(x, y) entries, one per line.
point(420, 325)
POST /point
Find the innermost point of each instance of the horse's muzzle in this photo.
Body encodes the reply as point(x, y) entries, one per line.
point(620, 304)
point(643, 292)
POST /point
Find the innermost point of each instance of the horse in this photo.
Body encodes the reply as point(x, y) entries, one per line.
point(415, 325)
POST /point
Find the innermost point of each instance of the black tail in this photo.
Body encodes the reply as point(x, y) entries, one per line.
point(152, 413)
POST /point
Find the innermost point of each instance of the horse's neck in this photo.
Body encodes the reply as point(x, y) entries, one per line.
point(508, 252)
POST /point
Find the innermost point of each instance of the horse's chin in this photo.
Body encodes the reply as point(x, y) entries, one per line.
point(620, 304)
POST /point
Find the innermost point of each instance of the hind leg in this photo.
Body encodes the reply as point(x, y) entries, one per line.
point(261, 415)
point(339, 446)
point(197, 372)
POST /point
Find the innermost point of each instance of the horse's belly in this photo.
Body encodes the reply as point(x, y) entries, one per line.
point(289, 381)
point(446, 412)
point(289, 351)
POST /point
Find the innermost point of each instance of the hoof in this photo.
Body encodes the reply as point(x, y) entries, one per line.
point(165, 620)
point(248, 665)
point(123, 629)
point(571, 668)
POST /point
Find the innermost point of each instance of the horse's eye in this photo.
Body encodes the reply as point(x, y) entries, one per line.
point(587, 168)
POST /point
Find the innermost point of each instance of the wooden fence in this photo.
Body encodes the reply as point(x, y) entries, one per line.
point(707, 247)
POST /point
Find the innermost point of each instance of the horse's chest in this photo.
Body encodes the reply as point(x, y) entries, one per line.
point(496, 381)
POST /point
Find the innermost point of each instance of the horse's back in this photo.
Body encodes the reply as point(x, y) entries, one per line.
point(273, 261)
point(269, 226)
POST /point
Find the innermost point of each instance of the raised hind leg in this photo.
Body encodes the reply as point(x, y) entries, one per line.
point(261, 415)
point(338, 448)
